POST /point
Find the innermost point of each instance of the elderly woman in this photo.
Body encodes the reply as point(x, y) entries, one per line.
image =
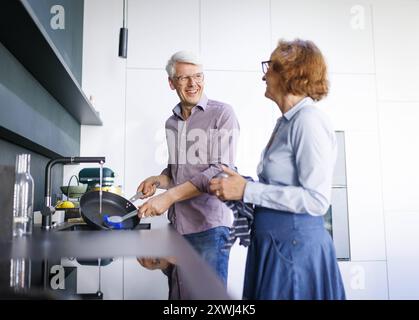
point(291, 255)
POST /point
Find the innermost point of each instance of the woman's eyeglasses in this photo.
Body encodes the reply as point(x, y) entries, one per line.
point(265, 66)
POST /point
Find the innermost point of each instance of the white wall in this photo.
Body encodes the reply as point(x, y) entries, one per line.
point(371, 48)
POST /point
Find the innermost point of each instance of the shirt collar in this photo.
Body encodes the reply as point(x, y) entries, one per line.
point(290, 113)
point(202, 104)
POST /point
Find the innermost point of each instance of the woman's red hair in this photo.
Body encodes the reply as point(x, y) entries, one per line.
point(302, 69)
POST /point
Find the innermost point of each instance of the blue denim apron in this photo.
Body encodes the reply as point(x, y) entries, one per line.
point(291, 256)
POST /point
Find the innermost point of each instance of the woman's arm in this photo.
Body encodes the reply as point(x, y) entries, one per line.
point(314, 145)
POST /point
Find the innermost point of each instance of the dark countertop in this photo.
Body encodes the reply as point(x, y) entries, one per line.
point(95, 244)
point(161, 242)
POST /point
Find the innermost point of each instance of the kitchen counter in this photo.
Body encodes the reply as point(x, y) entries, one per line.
point(160, 242)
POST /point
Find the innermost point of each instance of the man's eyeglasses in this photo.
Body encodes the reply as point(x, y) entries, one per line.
point(197, 77)
point(265, 66)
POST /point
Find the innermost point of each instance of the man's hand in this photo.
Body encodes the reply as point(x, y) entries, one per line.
point(230, 188)
point(148, 187)
point(156, 206)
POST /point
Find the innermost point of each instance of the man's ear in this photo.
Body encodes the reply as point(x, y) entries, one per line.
point(171, 84)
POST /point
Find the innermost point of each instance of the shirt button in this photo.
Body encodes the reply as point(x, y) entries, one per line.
point(294, 242)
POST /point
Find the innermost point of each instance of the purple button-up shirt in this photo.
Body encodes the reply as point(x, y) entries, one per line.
point(197, 148)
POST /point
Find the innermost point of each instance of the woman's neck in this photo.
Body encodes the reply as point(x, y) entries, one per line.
point(288, 102)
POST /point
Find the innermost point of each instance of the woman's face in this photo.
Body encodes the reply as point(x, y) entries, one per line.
point(272, 80)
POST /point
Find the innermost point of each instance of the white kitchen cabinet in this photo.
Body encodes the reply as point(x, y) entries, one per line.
point(351, 102)
point(256, 114)
point(159, 28)
point(365, 280)
point(146, 152)
point(400, 155)
point(403, 254)
point(341, 29)
point(365, 202)
point(396, 42)
point(228, 26)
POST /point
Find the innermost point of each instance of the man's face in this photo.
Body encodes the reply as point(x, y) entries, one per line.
point(188, 83)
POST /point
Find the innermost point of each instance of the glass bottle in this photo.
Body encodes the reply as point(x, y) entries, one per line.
point(20, 274)
point(23, 197)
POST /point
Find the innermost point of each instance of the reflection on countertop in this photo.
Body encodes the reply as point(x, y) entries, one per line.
point(131, 264)
point(129, 278)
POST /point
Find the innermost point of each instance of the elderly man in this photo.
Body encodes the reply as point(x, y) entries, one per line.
point(201, 136)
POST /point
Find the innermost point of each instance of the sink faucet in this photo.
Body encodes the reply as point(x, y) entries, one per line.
point(48, 210)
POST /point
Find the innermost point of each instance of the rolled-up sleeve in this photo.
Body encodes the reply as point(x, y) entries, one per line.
point(202, 179)
point(166, 172)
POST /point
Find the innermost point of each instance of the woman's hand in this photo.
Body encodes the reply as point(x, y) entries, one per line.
point(155, 206)
point(230, 188)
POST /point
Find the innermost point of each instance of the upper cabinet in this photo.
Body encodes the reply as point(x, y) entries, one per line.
point(46, 38)
point(62, 20)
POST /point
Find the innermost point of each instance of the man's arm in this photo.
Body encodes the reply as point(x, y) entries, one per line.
point(183, 191)
point(160, 203)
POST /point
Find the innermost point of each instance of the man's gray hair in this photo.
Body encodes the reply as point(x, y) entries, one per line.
point(181, 56)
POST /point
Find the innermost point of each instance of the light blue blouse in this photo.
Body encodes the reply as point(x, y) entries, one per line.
point(296, 168)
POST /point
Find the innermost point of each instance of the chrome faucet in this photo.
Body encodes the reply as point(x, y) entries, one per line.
point(48, 210)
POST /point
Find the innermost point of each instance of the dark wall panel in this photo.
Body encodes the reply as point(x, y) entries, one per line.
point(8, 152)
point(27, 109)
point(31, 120)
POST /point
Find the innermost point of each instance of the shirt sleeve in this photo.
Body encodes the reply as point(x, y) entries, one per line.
point(170, 140)
point(314, 145)
point(223, 148)
point(166, 172)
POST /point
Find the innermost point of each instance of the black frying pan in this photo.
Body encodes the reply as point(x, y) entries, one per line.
point(112, 205)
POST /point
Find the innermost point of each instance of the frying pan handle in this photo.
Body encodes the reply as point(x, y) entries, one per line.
point(136, 196)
